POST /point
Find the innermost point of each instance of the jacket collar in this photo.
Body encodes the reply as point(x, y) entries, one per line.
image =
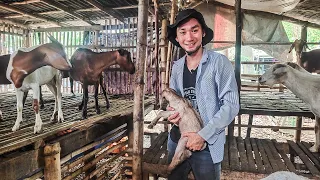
point(180, 63)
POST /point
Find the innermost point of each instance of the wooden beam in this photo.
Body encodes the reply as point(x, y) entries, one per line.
point(25, 2)
point(75, 28)
point(67, 10)
point(107, 10)
point(13, 9)
point(138, 108)
point(3, 21)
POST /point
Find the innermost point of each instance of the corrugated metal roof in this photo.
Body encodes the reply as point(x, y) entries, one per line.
point(307, 10)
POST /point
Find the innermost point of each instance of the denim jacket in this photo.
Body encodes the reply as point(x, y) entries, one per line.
point(216, 95)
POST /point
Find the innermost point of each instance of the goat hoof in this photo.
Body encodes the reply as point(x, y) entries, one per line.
point(15, 128)
point(108, 106)
point(37, 129)
point(98, 111)
point(313, 149)
point(42, 106)
point(80, 107)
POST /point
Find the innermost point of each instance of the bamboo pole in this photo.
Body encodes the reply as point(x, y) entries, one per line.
point(156, 49)
point(52, 168)
point(304, 34)
point(174, 10)
point(138, 108)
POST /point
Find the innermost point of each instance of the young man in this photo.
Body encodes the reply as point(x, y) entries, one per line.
point(207, 80)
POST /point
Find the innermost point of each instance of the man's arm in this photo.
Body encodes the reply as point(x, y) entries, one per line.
point(228, 99)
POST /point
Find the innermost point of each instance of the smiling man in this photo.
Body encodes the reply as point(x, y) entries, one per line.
point(206, 78)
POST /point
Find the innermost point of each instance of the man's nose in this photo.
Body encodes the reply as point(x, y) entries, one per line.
point(189, 36)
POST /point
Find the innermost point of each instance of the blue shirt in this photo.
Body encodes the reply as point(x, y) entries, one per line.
point(216, 95)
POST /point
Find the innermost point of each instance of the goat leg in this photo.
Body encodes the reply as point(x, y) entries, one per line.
point(25, 94)
point(96, 89)
point(85, 101)
point(104, 92)
point(81, 104)
point(19, 95)
point(181, 154)
point(71, 85)
point(41, 99)
point(164, 114)
point(315, 147)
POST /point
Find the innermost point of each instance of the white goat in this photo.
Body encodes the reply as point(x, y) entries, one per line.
point(303, 84)
point(27, 70)
point(284, 175)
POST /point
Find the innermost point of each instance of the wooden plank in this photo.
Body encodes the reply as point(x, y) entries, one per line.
point(251, 163)
point(225, 163)
point(257, 157)
point(249, 123)
point(287, 161)
point(314, 171)
point(264, 156)
point(20, 164)
point(276, 156)
point(233, 155)
point(243, 155)
point(270, 156)
point(308, 146)
point(309, 154)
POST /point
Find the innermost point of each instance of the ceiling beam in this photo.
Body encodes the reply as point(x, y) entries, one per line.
point(65, 9)
point(13, 9)
point(107, 10)
point(25, 2)
point(3, 21)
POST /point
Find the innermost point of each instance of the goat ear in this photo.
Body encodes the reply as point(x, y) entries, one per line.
point(280, 69)
point(292, 45)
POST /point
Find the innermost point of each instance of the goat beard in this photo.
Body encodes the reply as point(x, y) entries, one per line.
point(194, 51)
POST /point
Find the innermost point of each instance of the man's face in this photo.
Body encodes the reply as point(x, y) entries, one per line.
point(189, 36)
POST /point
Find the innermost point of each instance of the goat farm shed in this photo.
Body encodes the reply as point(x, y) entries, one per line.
point(110, 145)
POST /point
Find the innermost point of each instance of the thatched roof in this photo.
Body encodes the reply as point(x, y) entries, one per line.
point(64, 13)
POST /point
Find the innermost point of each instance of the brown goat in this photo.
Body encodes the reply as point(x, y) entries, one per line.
point(87, 67)
point(310, 61)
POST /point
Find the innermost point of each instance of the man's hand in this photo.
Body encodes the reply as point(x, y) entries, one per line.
point(195, 141)
point(174, 118)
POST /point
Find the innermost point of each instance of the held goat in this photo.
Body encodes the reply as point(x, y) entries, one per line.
point(87, 67)
point(27, 69)
point(303, 84)
point(308, 60)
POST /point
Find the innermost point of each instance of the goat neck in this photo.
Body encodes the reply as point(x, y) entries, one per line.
point(105, 60)
point(302, 84)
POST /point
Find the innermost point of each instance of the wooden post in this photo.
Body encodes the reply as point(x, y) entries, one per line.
point(249, 123)
point(52, 168)
point(156, 49)
point(299, 118)
point(138, 108)
point(164, 50)
point(298, 125)
point(237, 57)
point(174, 9)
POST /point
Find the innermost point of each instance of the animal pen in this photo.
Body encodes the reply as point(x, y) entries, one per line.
point(110, 145)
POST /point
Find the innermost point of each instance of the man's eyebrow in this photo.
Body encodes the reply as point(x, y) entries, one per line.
point(193, 27)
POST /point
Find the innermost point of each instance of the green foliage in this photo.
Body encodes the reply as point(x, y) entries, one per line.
point(294, 32)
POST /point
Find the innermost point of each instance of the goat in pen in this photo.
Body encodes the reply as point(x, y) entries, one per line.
point(304, 85)
point(87, 67)
point(27, 69)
